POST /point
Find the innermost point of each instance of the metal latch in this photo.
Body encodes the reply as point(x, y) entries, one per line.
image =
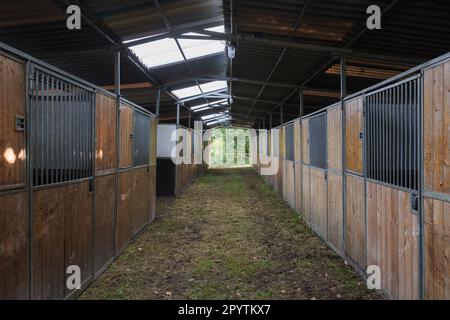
point(361, 135)
point(19, 123)
point(414, 203)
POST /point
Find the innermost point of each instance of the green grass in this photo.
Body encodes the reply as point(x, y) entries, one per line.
point(229, 236)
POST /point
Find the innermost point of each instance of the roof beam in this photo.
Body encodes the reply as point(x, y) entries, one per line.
point(281, 55)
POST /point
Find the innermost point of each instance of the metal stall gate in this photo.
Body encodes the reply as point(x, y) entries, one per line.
point(392, 144)
point(317, 126)
point(61, 176)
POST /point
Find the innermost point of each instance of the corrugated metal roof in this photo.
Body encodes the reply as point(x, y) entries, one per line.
point(264, 73)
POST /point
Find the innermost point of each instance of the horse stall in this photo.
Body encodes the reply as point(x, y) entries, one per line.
point(173, 179)
point(372, 179)
point(64, 199)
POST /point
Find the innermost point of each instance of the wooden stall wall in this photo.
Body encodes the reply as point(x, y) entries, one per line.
point(318, 204)
point(437, 128)
point(437, 181)
point(305, 141)
point(14, 245)
point(334, 138)
point(393, 240)
point(12, 104)
point(355, 221)
point(298, 165)
point(306, 193)
point(126, 136)
point(335, 231)
point(437, 248)
point(104, 238)
point(62, 236)
point(105, 133)
point(334, 180)
point(105, 180)
point(353, 135)
point(14, 221)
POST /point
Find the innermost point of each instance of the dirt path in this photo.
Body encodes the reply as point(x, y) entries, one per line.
point(228, 236)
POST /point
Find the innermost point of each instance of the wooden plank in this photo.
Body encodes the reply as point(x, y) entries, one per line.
point(429, 249)
point(446, 134)
point(105, 133)
point(334, 138)
point(12, 103)
point(306, 194)
point(438, 129)
point(335, 214)
point(428, 130)
point(126, 130)
point(78, 242)
point(355, 220)
point(318, 201)
point(392, 237)
point(298, 187)
point(152, 194)
point(14, 246)
point(123, 229)
point(140, 199)
point(290, 183)
point(47, 261)
point(354, 125)
point(297, 140)
point(305, 141)
point(104, 220)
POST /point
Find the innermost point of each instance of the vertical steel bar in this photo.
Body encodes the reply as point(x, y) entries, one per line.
point(343, 93)
point(410, 186)
point(158, 102)
point(178, 113)
point(401, 136)
point(42, 132)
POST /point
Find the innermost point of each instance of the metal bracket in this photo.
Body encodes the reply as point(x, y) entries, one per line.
point(19, 123)
point(414, 202)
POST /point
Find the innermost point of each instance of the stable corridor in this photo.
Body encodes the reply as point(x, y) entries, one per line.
point(229, 236)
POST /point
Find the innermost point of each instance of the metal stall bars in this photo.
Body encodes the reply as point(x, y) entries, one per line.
point(318, 172)
point(61, 131)
point(392, 144)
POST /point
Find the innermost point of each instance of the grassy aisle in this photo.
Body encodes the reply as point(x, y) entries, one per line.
point(228, 236)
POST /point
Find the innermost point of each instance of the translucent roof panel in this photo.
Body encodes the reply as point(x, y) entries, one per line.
point(199, 48)
point(158, 53)
point(187, 92)
point(213, 86)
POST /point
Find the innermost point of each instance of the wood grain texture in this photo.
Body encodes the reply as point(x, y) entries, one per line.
point(12, 103)
point(305, 141)
point(306, 194)
point(62, 236)
point(126, 131)
point(437, 128)
point(335, 233)
point(105, 132)
point(318, 201)
point(105, 197)
point(123, 218)
point(353, 127)
point(298, 187)
point(14, 246)
point(437, 249)
point(297, 140)
point(334, 138)
point(393, 240)
point(290, 183)
point(355, 223)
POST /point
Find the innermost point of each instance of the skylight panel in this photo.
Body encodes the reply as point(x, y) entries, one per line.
point(187, 92)
point(213, 86)
point(158, 53)
point(199, 47)
point(220, 29)
point(199, 106)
